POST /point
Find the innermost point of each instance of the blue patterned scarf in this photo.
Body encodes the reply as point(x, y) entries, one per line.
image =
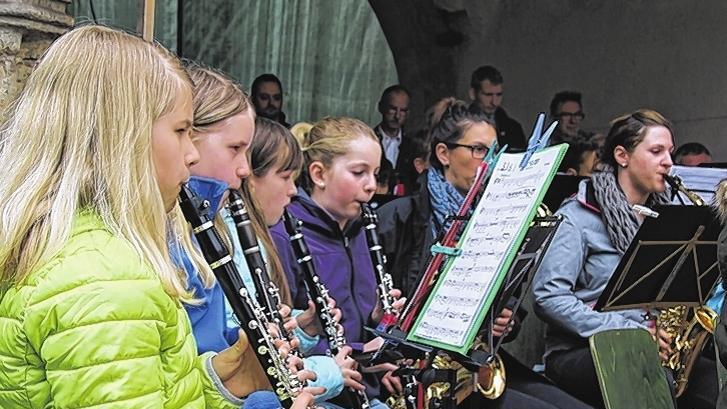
point(444, 198)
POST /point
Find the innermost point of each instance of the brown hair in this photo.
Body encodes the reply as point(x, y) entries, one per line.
point(273, 149)
point(448, 120)
point(629, 130)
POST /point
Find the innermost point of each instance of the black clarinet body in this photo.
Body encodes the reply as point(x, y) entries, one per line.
point(246, 309)
point(268, 294)
point(383, 278)
point(318, 292)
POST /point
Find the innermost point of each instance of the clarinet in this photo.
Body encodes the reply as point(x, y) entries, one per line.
point(318, 292)
point(378, 259)
point(385, 283)
point(268, 294)
point(245, 307)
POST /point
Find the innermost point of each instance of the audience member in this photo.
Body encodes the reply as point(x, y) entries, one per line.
point(486, 90)
point(581, 157)
point(394, 109)
point(415, 162)
point(692, 154)
point(383, 179)
point(567, 108)
point(267, 97)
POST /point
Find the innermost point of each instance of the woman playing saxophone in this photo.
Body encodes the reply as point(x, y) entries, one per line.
point(598, 225)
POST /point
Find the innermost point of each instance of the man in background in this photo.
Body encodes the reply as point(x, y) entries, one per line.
point(486, 91)
point(692, 154)
point(567, 108)
point(267, 97)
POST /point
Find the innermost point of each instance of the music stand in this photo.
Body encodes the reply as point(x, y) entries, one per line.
point(562, 187)
point(520, 275)
point(671, 261)
point(517, 280)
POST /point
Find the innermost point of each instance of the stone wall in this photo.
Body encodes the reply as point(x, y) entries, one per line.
point(27, 27)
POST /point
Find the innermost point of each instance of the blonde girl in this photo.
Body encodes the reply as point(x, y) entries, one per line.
point(341, 160)
point(90, 305)
point(224, 126)
point(275, 161)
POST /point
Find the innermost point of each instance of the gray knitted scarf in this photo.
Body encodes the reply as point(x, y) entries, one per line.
point(621, 221)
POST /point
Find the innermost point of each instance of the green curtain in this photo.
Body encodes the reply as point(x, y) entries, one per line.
point(331, 55)
point(124, 14)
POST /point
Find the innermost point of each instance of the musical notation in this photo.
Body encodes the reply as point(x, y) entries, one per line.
point(497, 225)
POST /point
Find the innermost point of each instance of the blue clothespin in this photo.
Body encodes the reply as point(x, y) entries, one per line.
point(489, 158)
point(492, 157)
point(538, 140)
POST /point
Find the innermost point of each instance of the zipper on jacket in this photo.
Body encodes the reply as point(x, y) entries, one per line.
point(346, 243)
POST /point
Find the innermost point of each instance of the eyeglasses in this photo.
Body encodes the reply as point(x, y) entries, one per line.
point(478, 151)
point(576, 115)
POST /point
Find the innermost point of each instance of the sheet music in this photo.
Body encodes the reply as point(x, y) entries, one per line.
point(703, 181)
point(499, 222)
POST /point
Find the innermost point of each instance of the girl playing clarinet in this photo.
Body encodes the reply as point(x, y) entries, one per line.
point(90, 307)
point(224, 132)
point(342, 157)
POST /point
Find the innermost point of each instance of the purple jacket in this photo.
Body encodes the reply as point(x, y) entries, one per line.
point(342, 262)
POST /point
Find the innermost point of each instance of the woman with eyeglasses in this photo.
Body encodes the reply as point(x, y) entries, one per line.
point(460, 140)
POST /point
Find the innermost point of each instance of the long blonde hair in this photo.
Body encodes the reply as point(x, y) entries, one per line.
point(216, 97)
point(79, 137)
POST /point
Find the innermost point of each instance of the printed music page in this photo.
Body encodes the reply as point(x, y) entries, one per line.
point(469, 282)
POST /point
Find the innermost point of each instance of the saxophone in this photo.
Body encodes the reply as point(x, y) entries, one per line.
point(318, 293)
point(689, 328)
point(246, 308)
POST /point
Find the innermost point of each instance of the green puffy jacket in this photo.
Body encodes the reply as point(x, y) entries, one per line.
point(94, 328)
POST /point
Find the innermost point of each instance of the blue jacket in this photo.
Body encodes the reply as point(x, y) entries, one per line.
point(343, 264)
point(209, 319)
point(209, 323)
point(574, 273)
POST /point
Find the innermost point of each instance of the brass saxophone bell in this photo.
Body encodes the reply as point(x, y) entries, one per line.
point(707, 318)
point(491, 379)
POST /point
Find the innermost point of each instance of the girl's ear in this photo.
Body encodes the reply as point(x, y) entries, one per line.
point(318, 175)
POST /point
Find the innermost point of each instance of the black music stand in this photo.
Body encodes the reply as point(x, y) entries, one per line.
point(522, 270)
point(517, 280)
point(562, 187)
point(671, 261)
